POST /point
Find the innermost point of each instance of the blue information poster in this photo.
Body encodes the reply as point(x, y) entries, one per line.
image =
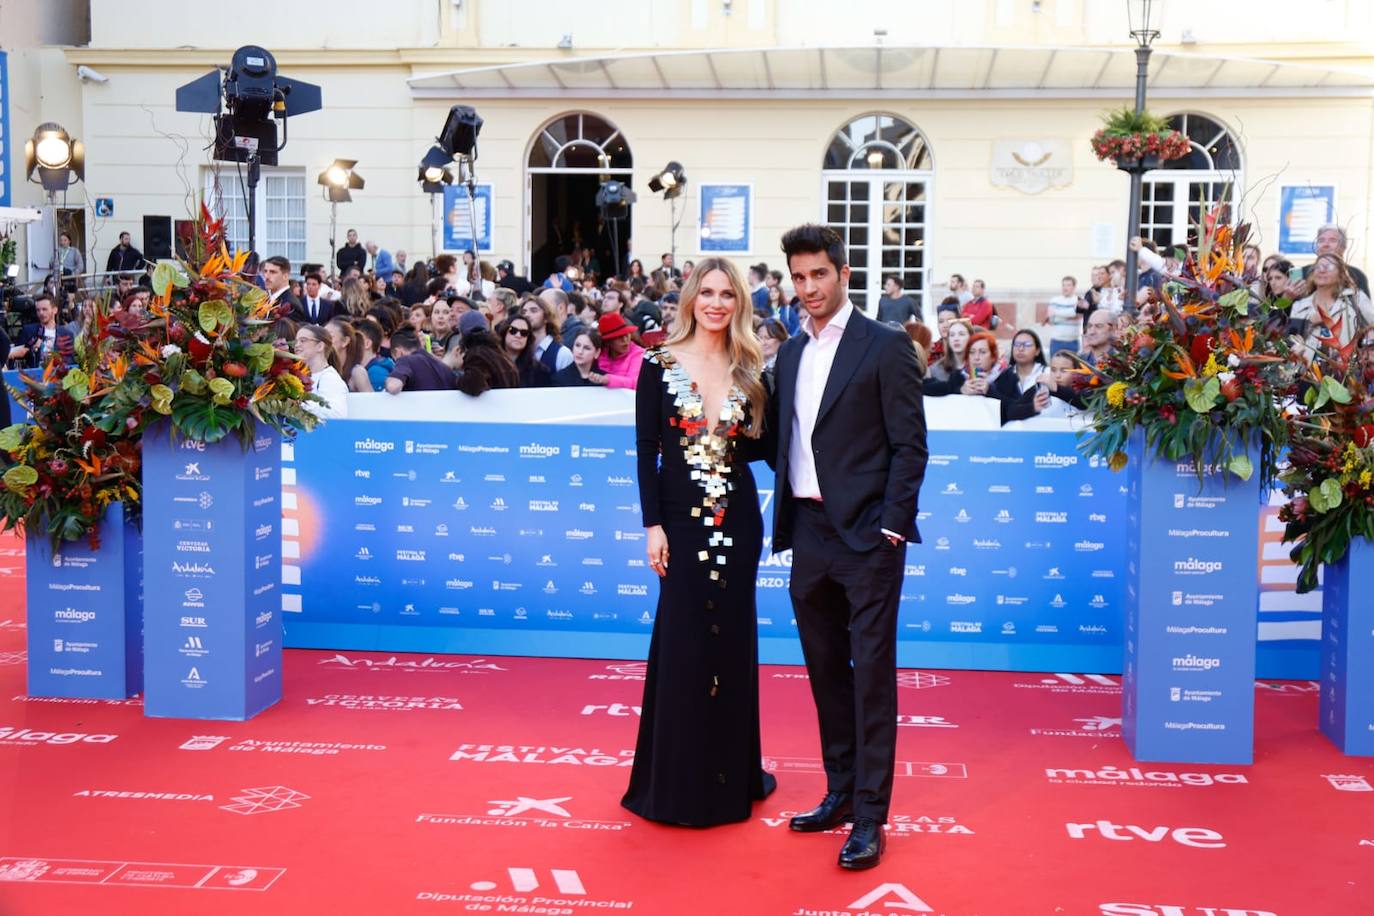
point(725, 219)
point(459, 217)
point(1303, 209)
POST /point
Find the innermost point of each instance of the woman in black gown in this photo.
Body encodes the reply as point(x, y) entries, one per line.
point(699, 407)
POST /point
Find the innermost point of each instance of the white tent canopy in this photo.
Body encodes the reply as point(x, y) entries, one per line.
point(17, 216)
point(892, 72)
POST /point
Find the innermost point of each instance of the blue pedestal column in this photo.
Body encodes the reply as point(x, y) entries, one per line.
point(212, 637)
point(85, 613)
point(1192, 598)
point(1347, 666)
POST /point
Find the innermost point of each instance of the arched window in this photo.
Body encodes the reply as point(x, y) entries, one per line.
point(877, 179)
point(569, 158)
point(1174, 197)
point(580, 141)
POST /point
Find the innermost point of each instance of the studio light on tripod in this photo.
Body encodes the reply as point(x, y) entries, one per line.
point(338, 179)
point(434, 170)
point(669, 182)
point(57, 159)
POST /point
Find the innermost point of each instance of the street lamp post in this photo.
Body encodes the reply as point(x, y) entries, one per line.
point(1140, 13)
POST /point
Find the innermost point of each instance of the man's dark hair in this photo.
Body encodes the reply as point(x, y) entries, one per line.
point(278, 261)
point(776, 275)
point(811, 238)
point(959, 277)
point(560, 263)
point(316, 277)
point(894, 278)
point(405, 339)
point(44, 297)
point(312, 268)
point(437, 287)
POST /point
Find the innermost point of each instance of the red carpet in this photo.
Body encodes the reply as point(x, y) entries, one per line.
point(346, 798)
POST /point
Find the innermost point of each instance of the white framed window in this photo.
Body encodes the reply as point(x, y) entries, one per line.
point(877, 175)
point(1175, 198)
point(279, 210)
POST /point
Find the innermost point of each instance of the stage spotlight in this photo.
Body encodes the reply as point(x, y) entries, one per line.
point(57, 159)
point(459, 136)
point(434, 170)
point(338, 179)
point(669, 182)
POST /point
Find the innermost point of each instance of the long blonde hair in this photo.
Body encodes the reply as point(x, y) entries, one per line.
point(746, 357)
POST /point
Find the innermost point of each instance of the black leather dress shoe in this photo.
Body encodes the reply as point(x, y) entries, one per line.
point(833, 810)
point(864, 848)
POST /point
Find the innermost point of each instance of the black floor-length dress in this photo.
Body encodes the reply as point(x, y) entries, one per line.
point(698, 759)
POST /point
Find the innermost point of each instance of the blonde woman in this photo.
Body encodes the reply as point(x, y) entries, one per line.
point(699, 409)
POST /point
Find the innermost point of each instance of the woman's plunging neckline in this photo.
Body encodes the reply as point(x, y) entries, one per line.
point(723, 416)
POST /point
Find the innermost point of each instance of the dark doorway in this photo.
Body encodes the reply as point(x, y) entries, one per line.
point(564, 215)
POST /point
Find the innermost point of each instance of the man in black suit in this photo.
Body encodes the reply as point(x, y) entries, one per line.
point(315, 309)
point(276, 279)
point(851, 456)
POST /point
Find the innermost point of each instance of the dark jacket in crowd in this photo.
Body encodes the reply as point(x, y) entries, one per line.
point(124, 260)
point(327, 309)
point(570, 377)
point(516, 284)
point(351, 256)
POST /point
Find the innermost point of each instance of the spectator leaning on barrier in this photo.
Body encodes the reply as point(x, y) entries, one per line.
point(415, 369)
point(548, 352)
point(981, 364)
point(1024, 388)
point(315, 349)
point(946, 375)
point(586, 350)
point(376, 366)
point(621, 357)
point(485, 364)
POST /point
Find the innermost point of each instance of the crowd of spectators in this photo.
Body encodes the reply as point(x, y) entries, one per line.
point(375, 323)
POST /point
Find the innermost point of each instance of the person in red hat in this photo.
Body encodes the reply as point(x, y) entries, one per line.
point(621, 357)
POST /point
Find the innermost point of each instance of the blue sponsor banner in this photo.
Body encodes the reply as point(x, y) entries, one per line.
point(1192, 595)
point(212, 634)
point(502, 538)
point(85, 613)
point(1347, 697)
point(459, 218)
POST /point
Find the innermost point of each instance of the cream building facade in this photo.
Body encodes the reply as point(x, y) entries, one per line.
point(939, 136)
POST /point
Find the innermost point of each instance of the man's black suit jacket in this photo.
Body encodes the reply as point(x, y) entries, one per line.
point(869, 441)
point(329, 308)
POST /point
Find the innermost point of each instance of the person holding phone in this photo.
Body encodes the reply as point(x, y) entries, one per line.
point(981, 364)
point(1024, 389)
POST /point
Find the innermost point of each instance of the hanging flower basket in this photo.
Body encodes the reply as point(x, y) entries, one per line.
point(1137, 141)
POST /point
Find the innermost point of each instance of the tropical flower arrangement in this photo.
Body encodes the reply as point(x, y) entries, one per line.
point(1329, 478)
point(1203, 377)
point(79, 451)
point(205, 359)
point(1128, 135)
